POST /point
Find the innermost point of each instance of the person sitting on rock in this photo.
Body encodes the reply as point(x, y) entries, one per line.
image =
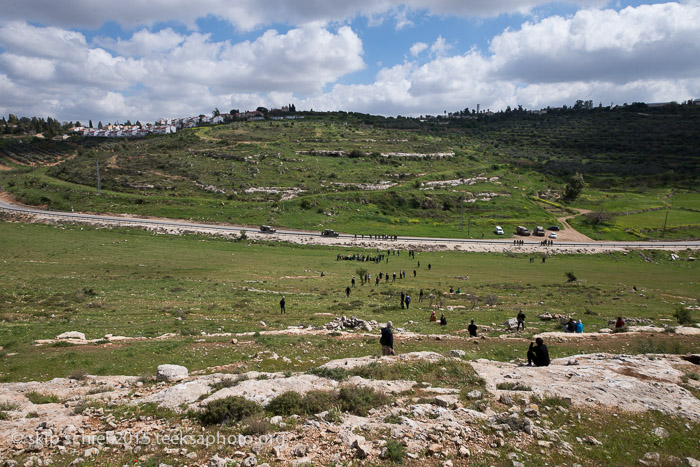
point(433, 317)
point(579, 327)
point(571, 325)
point(472, 329)
point(620, 323)
point(443, 320)
point(538, 354)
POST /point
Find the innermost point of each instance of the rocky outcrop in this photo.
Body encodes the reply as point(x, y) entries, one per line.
point(171, 373)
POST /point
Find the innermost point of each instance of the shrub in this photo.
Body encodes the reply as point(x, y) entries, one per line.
point(682, 315)
point(285, 404)
point(227, 382)
point(570, 277)
point(395, 451)
point(318, 401)
point(509, 386)
point(229, 409)
point(78, 375)
point(359, 400)
point(256, 425)
point(338, 374)
point(38, 398)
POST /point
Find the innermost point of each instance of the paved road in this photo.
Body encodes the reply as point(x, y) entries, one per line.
point(473, 244)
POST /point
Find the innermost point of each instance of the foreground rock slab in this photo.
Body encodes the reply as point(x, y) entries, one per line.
point(634, 383)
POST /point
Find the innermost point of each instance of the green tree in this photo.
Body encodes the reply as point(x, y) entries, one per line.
point(574, 187)
point(99, 125)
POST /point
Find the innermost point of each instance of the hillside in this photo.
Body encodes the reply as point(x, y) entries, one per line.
point(366, 174)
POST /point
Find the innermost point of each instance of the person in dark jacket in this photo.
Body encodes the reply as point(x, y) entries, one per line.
point(443, 320)
point(387, 340)
point(571, 325)
point(472, 329)
point(282, 303)
point(521, 320)
point(538, 354)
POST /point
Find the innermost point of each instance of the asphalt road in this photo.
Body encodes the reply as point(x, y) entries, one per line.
point(342, 239)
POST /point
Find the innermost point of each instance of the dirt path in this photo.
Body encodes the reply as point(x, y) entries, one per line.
point(568, 233)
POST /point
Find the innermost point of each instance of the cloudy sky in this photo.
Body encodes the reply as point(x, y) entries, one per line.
point(134, 59)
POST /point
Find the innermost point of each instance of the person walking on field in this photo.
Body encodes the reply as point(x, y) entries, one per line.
point(403, 299)
point(282, 303)
point(347, 291)
point(353, 281)
point(521, 320)
point(387, 340)
point(407, 300)
point(420, 296)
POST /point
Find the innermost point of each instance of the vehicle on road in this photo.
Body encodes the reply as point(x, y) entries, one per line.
point(539, 231)
point(498, 230)
point(520, 230)
point(554, 228)
point(553, 235)
point(267, 229)
point(329, 233)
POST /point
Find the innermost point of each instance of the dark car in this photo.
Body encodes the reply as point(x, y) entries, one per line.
point(554, 228)
point(267, 229)
point(329, 233)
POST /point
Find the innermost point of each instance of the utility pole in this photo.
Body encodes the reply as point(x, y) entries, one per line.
point(461, 222)
point(99, 184)
point(670, 206)
point(469, 224)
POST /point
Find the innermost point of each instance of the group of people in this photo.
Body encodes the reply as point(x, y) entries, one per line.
point(378, 237)
point(537, 353)
point(574, 326)
point(434, 319)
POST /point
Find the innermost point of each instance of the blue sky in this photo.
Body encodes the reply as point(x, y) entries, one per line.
point(73, 60)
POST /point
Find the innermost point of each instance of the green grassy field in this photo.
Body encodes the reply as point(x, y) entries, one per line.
point(134, 283)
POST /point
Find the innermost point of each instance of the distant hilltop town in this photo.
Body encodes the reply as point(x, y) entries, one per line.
point(164, 126)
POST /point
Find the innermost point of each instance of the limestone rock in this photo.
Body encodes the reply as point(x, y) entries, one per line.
point(171, 373)
point(457, 353)
point(511, 323)
point(660, 432)
point(72, 335)
point(300, 450)
point(183, 393)
point(250, 461)
point(446, 400)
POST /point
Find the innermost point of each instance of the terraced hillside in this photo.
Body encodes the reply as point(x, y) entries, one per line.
point(365, 174)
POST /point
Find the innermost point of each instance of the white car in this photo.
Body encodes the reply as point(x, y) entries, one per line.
point(498, 230)
point(553, 235)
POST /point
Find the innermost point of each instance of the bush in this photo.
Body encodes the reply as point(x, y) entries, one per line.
point(682, 315)
point(318, 401)
point(229, 409)
point(359, 400)
point(78, 375)
point(513, 387)
point(338, 374)
point(288, 403)
point(570, 277)
point(395, 451)
point(38, 398)
point(256, 425)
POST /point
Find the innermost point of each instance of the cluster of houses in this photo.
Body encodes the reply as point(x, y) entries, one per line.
point(165, 126)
